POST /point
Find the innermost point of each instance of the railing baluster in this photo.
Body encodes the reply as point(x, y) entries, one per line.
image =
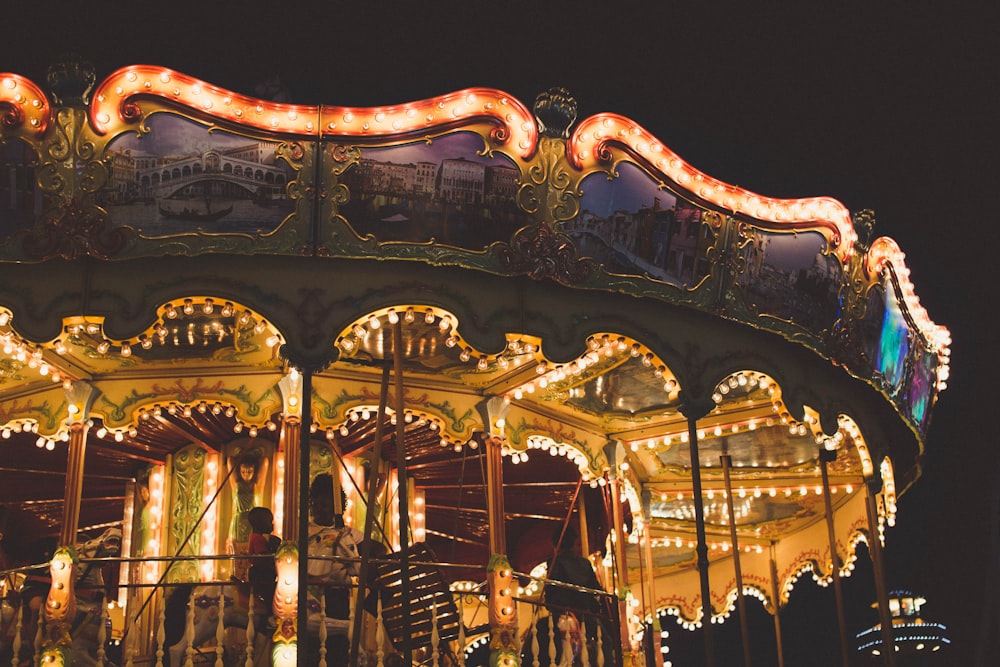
point(552, 639)
point(600, 646)
point(567, 646)
point(39, 633)
point(14, 661)
point(251, 633)
point(350, 615)
point(189, 632)
point(322, 629)
point(102, 633)
point(584, 650)
point(535, 660)
point(131, 638)
point(461, 631)
point(220, 630)
point(435, 636)
point(379, 635)
point(161, 634)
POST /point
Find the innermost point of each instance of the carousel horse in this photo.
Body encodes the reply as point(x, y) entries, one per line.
point(26, 600)
point(199, 605)
point(201, 602)
point(91, 591)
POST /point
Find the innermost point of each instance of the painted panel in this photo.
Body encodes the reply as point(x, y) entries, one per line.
point(183, 177)
point(442, 191)
point(632, 226)
point(788, 276)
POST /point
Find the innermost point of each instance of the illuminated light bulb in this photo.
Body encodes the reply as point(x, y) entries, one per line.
point(429, 316)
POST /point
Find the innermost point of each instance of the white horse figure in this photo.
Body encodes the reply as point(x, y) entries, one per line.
point(90, 591)
point(194, 609)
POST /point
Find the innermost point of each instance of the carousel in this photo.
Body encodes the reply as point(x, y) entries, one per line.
point(491, 326)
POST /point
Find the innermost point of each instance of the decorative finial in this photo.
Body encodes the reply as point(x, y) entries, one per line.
point(71, 79)
point(864, 226)
point(555, 113)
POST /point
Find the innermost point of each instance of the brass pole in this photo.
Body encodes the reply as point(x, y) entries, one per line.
point(825, 456)
point(878, 568)
point(74, 483)
point(620, 559)
point(727, 462)
point(302, 610)
point(777, 608)
point(654, 625)
point(366, 544)
point(403, 492)
point(496, 512)
point(693, 412)
point(291, 443)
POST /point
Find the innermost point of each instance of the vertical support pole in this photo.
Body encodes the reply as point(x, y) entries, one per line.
point(878, 568)
point(74, 483)
point(654, 624)
point(694, 410)
point(618, 519)
point(727, 463)
point(366, 544)
point(404, 500)
point(302, 613)
point(825, 456)
point(60, 604)
point(777, 608)
point(290, 442)
point(79, 397)
point(581, 508)
point(503, 610)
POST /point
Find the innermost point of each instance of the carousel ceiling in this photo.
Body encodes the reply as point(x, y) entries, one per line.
point(216, 385)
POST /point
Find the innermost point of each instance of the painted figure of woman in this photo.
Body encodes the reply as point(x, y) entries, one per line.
point(247, 483)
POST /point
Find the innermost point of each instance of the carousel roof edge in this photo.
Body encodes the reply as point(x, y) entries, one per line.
point(542, 140)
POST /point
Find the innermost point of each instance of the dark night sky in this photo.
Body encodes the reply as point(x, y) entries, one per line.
point(882, 105)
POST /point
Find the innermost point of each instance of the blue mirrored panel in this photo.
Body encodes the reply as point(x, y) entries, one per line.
point(181, 178)
point(870, 327)
point(788, 276)
point(894, 345)
point(442, 191)
point(631, 226)
point(921, 389)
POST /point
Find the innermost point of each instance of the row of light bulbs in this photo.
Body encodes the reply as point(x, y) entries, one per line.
point(519, 127)
point(27, 100)
point(589, 140)
point(757, 492)
point(163, 332)
point(885, 254)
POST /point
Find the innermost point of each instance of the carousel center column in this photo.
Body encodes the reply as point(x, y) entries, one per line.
point(502, 610)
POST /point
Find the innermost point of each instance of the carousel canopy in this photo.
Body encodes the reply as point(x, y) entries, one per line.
point(578, 288)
